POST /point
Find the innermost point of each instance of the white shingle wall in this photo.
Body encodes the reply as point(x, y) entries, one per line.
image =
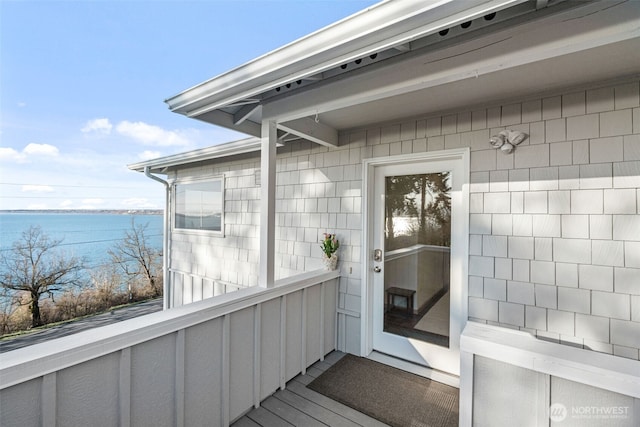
point(573, 236)
point(234, 257)
point(554, 226)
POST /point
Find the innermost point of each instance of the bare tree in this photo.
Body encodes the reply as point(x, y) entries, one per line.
point(8, 306)
point(139, 261)
point(34, 267)
point(107, 286)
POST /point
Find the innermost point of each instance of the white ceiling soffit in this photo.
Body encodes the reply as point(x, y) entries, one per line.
point(513, 85)
point(598, 42)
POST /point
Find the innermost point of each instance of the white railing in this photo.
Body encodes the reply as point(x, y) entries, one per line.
point(205, 363)
point(188, 287)
point(497, 361)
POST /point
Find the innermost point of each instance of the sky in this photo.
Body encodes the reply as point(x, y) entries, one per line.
point(83, 84)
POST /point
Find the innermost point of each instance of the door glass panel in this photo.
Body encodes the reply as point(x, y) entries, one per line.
point(417, 253)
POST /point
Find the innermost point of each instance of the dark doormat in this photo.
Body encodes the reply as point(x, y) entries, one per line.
point(393, 396)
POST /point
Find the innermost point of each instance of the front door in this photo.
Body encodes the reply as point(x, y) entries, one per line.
point(418, 244)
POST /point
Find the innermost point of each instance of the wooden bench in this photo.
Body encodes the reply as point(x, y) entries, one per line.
point(407, 294)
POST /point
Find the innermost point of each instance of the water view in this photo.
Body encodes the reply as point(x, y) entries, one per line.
point(108, 258)
point(85, 235)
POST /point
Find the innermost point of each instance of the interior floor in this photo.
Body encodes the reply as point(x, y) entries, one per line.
point(430, 324)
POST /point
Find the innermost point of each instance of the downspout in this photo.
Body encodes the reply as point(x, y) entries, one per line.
point(166, 284)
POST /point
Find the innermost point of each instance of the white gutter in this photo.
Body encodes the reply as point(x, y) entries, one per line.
point(166, 288)
point(248, 145)
point(220, 151)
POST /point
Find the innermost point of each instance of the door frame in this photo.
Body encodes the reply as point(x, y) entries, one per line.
point(462, 260)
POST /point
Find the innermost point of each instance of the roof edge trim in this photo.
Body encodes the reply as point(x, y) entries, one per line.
point(159, 165)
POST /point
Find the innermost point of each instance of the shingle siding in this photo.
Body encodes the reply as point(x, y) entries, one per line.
point(575, 225)
point(554, 226)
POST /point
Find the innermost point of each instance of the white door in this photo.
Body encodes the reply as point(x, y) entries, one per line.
point(418, 244)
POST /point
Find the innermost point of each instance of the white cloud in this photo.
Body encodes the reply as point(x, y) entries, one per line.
point(10, 154)
point(100, 126)
point(148, 155)
point(37, 189)
point(22, 104)
point(151, 135)
point(41, 149)
point(66, 204)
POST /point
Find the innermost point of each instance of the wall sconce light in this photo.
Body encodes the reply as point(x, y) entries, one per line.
point(507, 140)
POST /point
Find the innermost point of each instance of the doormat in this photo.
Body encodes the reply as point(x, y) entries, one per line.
point(390, 395)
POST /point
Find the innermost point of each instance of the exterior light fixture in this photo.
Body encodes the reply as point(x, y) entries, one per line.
point(507, 140)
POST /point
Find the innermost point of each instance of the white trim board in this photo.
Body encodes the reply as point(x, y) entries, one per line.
point(522, 349)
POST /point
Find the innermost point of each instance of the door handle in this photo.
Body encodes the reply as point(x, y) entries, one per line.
point(377, 269)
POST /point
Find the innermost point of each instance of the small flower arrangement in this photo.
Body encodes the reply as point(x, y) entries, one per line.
point(329, 244)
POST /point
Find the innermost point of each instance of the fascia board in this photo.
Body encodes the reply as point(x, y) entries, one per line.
point(378, 28)
point(217, 151)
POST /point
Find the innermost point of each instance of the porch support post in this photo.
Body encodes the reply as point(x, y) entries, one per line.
point(268, 203)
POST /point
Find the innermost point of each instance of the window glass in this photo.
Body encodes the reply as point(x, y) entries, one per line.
point(198, 205)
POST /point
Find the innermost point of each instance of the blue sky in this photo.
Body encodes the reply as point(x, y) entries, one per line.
point(82, 85)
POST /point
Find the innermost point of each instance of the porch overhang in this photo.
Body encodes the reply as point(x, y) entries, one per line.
point(408, 58)
point(387, 25)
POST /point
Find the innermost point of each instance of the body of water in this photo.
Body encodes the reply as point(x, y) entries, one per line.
point(86, 235)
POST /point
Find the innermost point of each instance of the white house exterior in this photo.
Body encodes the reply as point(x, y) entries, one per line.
point(544, 273)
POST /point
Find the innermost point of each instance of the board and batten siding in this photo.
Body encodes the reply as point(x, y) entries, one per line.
point(555, 384)
point(201, 364)
point(554, 226)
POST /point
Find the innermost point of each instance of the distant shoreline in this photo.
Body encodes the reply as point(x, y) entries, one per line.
point(85, 211)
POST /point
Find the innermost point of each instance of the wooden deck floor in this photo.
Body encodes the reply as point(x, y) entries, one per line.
point(297, 405)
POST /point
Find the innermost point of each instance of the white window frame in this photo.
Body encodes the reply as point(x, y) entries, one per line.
point(199, 180)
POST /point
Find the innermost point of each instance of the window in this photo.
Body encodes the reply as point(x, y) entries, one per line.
point(199, 205)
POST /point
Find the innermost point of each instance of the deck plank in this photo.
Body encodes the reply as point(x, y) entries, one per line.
point(318, 412)
point(337, 407)
point(299, 406)
point(322, 366)
point(266, 418)
point(303, 379)
point(245, 422)
point(314, 372)
point(333, 357)
point(289, 413)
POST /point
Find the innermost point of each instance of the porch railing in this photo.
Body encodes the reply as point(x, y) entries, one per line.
point(553, 382)
point(188, 287)
point(204, 363)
